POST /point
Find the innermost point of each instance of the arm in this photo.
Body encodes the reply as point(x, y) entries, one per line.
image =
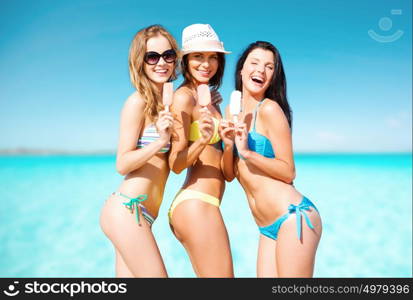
point(226, 131)
point(278, 131)
point(128, 157)
point(182, 156)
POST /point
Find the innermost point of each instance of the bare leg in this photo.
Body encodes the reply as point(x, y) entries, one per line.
point(135, 244)
point(201, 230)
point(122, 269)
point(266, 262)
point(295, 258)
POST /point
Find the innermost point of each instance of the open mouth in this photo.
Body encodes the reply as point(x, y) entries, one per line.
point(257, 79)
point(204, 73)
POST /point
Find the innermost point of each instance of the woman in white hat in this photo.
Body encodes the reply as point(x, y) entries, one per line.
point(194, 216)
point(144, 141)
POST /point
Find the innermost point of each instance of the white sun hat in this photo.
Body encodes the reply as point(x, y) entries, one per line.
point(201, 38)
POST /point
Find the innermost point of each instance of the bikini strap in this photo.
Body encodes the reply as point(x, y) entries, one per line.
point(133, 204)
point(255, 113)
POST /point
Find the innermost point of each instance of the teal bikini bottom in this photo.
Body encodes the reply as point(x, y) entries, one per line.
point(134, 204)
point(271, 231)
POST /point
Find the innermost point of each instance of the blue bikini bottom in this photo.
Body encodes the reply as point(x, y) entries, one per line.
point(271, 231)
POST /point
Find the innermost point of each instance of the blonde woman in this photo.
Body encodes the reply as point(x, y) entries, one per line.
point(289, 223)
point(144, 142)
point(194, 215)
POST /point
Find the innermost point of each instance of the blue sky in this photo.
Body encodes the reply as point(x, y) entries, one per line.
point(64, 73)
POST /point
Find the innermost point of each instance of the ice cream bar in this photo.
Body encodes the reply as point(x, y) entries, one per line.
point(204, 95)
point(235, 105)
point(167, 94)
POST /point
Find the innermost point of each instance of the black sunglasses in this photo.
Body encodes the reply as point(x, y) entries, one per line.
point(152, 57)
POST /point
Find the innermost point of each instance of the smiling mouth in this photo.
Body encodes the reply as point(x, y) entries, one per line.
point(204, 73)
point(161, 72)
point(257, 80)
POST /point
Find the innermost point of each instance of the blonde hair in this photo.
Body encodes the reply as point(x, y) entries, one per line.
point(138, 77)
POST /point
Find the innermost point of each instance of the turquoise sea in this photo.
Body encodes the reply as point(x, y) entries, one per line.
point(50, 205)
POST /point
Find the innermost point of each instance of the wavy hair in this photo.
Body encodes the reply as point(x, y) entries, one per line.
point(138, 77)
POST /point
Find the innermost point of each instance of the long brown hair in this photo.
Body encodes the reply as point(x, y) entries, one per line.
point(138, 77)
point(277, 91)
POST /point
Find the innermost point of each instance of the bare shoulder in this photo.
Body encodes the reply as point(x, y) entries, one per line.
point(183, 97)
point(271, 110)
point(133, 111)
point(270, 107)
point(184, 92)
point(135, 102)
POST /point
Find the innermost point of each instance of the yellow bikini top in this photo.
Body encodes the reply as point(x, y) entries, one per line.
point(195, 134)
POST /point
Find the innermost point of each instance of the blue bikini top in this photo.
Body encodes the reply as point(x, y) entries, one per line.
point(258, 142)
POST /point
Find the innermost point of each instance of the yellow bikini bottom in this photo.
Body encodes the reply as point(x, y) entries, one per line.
point(184, 194)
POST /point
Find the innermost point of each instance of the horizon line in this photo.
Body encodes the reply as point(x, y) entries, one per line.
point(45, 152)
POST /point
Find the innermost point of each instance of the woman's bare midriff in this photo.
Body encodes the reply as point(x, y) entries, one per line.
point(205, 175)
point(150, 179)
point(268, 198)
